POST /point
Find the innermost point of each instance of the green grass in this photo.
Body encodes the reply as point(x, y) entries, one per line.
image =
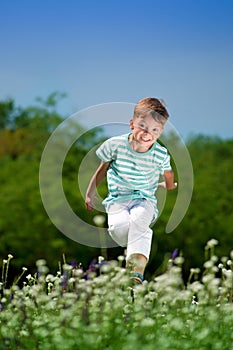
point(67, 311)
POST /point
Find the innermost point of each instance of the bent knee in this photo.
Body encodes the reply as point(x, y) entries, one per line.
point(119, 233)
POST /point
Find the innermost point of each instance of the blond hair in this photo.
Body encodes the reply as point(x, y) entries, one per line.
point(151, 106)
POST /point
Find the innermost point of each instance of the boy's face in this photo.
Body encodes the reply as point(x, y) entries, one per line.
point(146, 130)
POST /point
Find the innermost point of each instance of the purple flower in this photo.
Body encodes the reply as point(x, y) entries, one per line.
point(65, 278)
point(175, 254)
point(74, 264)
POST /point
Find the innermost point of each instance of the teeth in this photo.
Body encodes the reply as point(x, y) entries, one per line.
point(145, 139)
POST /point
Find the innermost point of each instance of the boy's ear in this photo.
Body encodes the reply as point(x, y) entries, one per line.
point(131, 124)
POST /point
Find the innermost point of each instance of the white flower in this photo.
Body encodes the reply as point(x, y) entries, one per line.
point(100, 259)
point(121, 258)
point(212, 242)
point(40, 262)
point(67, 267)
point(208, 264)
point(147, 322)
point(99, 220)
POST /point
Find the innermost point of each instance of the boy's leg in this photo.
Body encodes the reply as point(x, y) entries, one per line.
point(118, 222)
point(140, 236)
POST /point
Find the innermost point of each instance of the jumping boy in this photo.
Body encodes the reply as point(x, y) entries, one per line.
point(133, 164)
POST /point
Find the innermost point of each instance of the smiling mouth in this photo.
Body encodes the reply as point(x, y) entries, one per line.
point(145, 140)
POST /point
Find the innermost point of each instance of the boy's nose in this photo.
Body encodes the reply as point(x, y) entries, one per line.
point(145, 130)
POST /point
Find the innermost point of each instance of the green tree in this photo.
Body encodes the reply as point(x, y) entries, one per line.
point(25, 228)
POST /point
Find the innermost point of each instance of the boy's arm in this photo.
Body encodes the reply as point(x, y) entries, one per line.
point(169, 183)
point(96, 179)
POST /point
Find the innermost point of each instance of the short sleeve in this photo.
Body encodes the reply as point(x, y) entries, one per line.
point(166, 165)
point(104, 152)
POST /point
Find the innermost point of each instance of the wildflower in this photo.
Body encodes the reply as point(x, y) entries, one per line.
point(99, 220)
point(74, 264)
point(67, 267)
point(78, 272)
point(212, 242)
point(41, 262)
point(195, 271)
point(179, 260)
point(65, 278)
point(214, 258)
point(175, 254)
point(100, 259)
point(121, 258)
point(224, 259)
point(49, 278)
point(10, 256)
point(208, 264)
point(147, 322)
point(231, 254)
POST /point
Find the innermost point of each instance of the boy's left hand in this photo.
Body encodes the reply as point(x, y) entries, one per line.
point(163, 185)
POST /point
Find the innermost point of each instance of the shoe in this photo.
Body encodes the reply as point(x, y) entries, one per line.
point(137, 278)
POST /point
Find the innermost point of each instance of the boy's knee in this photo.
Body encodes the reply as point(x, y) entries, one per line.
point(119, 232)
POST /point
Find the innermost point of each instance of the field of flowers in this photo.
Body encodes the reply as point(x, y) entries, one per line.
point(98, 308)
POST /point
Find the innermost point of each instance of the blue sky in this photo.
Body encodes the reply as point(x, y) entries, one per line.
point(112, 51)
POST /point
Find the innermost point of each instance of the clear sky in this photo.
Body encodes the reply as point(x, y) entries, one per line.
point(100, 51)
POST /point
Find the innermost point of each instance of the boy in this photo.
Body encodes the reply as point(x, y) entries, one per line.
point(133, 164)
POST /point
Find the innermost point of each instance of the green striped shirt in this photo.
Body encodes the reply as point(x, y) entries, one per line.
point(132, 175)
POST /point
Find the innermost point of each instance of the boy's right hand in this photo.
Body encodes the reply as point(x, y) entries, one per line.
point(89, 202)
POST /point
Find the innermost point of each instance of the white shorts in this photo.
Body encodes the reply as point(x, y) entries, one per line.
point(128, 225)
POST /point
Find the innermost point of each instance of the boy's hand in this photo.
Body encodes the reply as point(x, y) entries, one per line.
point(169, 183)
point(171, 187)
point(89, 202)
